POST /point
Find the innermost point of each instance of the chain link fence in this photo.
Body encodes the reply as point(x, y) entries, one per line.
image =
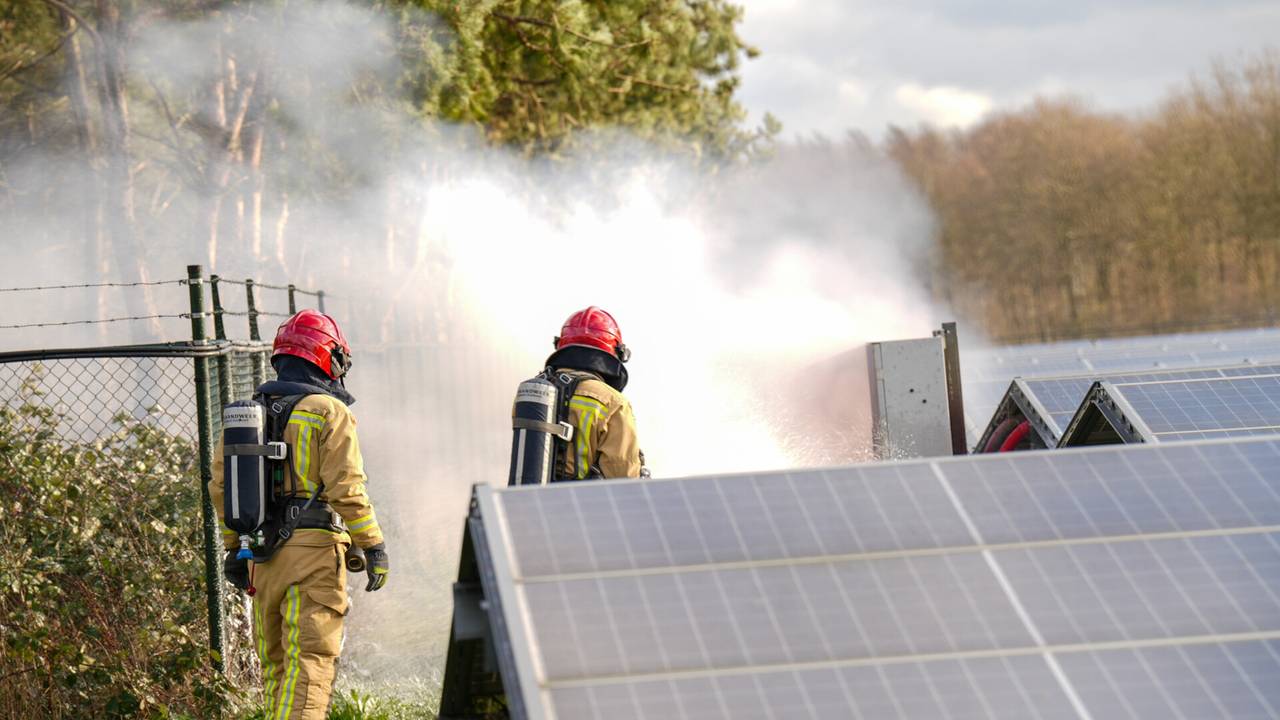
point(89, 396)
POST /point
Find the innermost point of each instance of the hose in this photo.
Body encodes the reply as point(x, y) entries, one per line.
point(1019, 433)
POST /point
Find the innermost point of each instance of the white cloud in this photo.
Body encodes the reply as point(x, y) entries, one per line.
point(1119, 55)
point(944, 106)
point(853, 92)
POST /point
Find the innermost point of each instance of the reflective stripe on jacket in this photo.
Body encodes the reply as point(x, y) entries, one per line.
point(323, 449)
point(604, 434)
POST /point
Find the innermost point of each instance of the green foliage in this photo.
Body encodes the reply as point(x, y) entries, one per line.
point(99, 556)
point(32, 41)
point(356, 705)
point(536, 74)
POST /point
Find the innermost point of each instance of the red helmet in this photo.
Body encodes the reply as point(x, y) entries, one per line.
point(312, 335)
point(593, 328)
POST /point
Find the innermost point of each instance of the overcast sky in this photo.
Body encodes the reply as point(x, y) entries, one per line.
point(831, 65)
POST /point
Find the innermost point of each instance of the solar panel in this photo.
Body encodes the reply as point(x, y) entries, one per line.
point(1016, 688)
point(1239, 403)
point(1166, 410)
point(1049, 403)
point(1018, 585)
point(1224, 680)
point(987, 371)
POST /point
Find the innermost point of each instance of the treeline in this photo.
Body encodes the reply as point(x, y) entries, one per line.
point(1058, 221)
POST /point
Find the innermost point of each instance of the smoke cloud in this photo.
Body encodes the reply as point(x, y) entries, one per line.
point(452, 265)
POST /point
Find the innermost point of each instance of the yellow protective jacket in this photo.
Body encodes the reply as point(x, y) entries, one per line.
point(323, 449)
point(604, 434)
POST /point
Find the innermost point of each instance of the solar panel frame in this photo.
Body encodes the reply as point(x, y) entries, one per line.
point(516, 659)
point(1256, 459)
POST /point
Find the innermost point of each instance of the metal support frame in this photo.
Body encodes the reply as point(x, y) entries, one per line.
point(955, 395)
point(1018, 400)
point(1104, 403)
point(1035, 413)
point(204, 426)
point(512, 639)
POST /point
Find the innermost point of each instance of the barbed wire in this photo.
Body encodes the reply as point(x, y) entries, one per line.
point(152, 283)
point(178, 316)
point(245, 313)
point(269, 286)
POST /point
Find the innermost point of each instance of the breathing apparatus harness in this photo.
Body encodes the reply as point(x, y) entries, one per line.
point(566, 382)
point(256, 462)
point(543, 436)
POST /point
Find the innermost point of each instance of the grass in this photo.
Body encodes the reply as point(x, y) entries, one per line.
point(356, 705)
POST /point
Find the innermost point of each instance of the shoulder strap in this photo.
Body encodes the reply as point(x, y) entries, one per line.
point(279, 408)
point(566, 382)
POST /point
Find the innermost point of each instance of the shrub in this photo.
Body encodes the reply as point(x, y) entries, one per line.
point(102, 612)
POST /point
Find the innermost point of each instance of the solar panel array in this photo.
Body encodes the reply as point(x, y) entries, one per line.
point(1055, 400)
point(1166, 410)
point(987, 371)
point(1119, 582)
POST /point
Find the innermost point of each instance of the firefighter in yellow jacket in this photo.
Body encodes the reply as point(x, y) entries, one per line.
point(590, 355)
point(300, 589)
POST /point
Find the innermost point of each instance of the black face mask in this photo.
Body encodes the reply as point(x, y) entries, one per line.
point(577, 357)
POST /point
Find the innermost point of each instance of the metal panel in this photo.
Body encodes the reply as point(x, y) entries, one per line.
point(910, 417)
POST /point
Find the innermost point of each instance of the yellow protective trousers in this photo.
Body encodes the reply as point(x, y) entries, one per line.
point(298, 610)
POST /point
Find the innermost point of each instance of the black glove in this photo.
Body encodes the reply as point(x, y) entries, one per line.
point(235, 570)
point(377, 566)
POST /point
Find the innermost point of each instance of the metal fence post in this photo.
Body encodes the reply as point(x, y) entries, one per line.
point(293, 303)
point(220, 332)
point(204, 425)
point(320, 300)
point(259, 357)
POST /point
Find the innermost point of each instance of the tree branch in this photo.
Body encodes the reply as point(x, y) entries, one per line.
point(521, 19)
point(23, 67)
point(526, 81)
point(173, 125)
point(67, 10)
point(654, 84)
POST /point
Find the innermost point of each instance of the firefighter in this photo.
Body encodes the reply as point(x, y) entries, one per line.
point(300, 588)
point(590, 356)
